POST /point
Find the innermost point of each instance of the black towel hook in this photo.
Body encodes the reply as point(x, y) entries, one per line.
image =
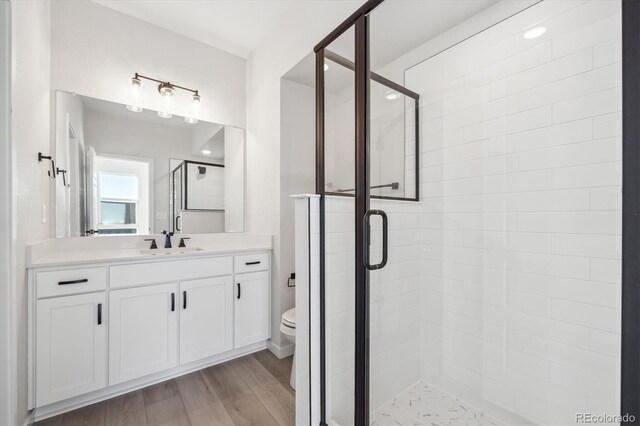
point(52, 172)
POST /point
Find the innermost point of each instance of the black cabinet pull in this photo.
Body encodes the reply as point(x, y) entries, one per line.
point(173, 302)
point(99, 313)
point(239, 289)
point(184, 300)
point(84, 280)
point(257, 262)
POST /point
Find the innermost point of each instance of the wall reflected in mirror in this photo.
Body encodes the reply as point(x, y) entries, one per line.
point(124, 172)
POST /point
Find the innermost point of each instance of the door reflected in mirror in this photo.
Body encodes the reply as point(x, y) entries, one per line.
point(136, 173)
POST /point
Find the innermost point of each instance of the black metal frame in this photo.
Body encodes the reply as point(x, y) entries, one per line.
point(341, 60)
point(630, 336)
point(362, 91)
point(185, 163)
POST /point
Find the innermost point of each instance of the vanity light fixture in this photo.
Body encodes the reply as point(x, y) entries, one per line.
point(534, 32)
point(134, 98)
point(195, 105)
point(166, 90)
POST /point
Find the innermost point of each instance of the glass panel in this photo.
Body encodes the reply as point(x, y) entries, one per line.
point(340, 232)
point(117, 213)
point(123, 187)
point(205, 186)
point(501, 299)
point(392, 143)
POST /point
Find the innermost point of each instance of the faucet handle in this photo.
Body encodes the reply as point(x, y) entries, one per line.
point(182, 241)
point(154, 245)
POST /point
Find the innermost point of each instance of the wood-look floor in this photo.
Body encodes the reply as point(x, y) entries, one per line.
point(252, 390)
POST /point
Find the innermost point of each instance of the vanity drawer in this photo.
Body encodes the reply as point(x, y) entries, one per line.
point(70, 281)
point(251, 262)
point(169, 271)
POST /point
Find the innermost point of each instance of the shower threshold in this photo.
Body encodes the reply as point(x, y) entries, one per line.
point(423, 404)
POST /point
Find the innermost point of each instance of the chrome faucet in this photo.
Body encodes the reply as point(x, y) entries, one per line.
point(167, 239)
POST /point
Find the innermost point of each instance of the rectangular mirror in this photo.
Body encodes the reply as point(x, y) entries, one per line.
point(124, 172)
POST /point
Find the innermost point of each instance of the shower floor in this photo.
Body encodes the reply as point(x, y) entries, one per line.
point(426, 405)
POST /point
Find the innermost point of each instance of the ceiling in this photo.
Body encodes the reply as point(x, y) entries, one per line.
point(396, 28)
point(236, 26)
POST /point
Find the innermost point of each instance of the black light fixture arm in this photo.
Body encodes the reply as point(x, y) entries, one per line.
point(167, 83)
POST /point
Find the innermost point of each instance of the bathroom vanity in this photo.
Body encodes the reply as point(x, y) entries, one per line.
point(108, 320)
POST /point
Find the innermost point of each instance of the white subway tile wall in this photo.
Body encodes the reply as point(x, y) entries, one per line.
point(521, 187)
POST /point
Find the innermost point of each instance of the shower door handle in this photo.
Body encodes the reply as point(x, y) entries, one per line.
point(367, 239)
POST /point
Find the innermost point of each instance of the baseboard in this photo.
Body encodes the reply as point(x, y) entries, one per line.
point(31, 419)
point(280, 351)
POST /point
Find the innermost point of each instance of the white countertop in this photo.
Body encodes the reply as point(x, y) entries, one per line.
point(88, 250)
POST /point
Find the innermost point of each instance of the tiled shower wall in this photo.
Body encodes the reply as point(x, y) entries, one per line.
point(395, 304)
point(521, 190)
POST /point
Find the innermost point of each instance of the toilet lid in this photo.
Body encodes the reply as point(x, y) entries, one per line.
point(289, 317)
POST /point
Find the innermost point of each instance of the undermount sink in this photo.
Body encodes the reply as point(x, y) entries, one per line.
point(174, 250)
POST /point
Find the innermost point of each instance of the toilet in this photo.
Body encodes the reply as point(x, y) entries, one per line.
point(288, 328)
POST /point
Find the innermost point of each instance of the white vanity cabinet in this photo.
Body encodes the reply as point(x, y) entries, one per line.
point(72, 343)
point(103, 329)
point(143, 331)
point(206, 318)
point(251, 319)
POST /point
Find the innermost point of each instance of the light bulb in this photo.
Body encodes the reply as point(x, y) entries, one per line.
point(392, 95)
point(195, 105)
point(134, 95)
point(534, 32)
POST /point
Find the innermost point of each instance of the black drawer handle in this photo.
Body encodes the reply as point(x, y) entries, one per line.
point(184, 300)
point(99, 313)
point(257, 262)
point(84, 280)
point(239, 290)
point(173, 302)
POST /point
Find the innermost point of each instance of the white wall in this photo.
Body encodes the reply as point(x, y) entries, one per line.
point(300, 28)
point(297, 166)
point(7, 227)
point(95, 51)
point(234, 169)
point(31, 102)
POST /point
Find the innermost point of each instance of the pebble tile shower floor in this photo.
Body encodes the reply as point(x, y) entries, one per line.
point(426, 405)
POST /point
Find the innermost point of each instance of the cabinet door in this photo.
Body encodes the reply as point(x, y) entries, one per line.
point(251, 319)
point(71, 346)
point(143, 331)
point(206, 318)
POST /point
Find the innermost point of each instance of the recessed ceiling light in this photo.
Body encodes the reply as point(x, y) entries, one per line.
point(191, 120)
point(134, 108)
point(326, 66)
point(164, 114)
point(392, 95)
point(534, 32)
point(205, 152)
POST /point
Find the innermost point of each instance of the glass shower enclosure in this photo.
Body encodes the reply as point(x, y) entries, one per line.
point(471, 213)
